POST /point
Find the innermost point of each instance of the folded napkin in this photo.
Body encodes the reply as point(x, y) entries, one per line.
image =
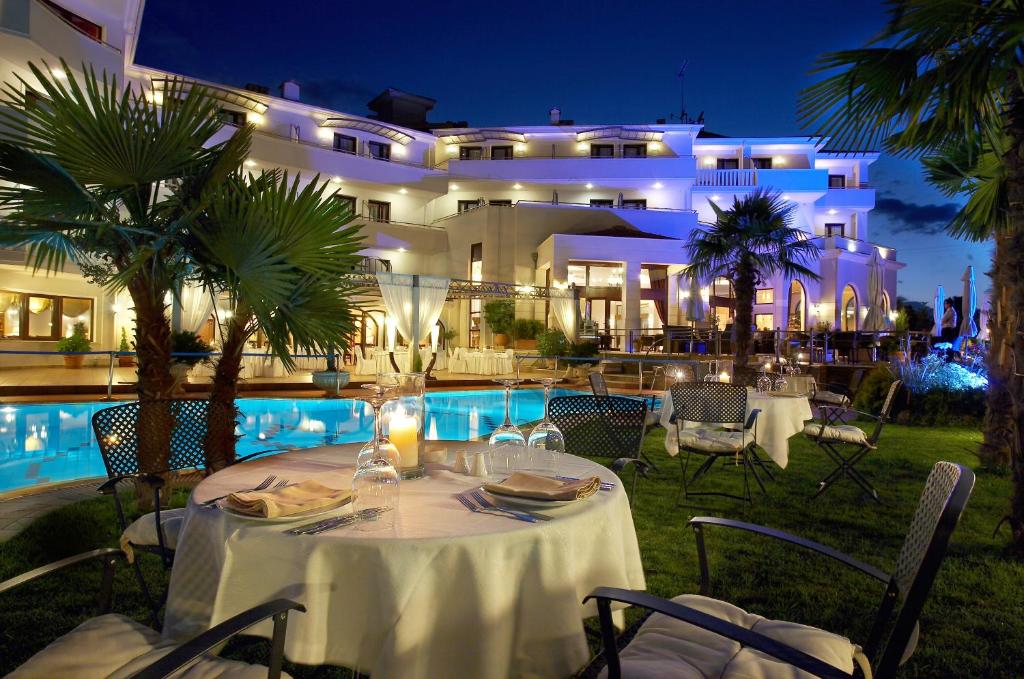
point(300, 497)
point(521, 484)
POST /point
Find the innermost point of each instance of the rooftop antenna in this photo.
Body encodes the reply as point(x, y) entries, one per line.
point(682, 91)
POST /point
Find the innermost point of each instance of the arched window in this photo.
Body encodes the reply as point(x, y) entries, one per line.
point(797, 317)
point(848, 310)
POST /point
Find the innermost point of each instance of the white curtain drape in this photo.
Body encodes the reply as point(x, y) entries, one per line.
point(402, 298)
point(875, 318)
point(695, 310)
point(196, 307)
point(563, 308)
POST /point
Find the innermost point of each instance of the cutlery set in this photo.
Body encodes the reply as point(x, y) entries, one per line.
point(266, 483)
point(325, 525)
point(474, 501)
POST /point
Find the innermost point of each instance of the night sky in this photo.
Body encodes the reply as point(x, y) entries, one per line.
point(600, 62)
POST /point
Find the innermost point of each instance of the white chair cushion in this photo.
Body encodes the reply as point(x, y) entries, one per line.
point(842, 433)
point(142, 531)
point(714, 440)
point(666, 647)
point(831, 398)
point(115, 646)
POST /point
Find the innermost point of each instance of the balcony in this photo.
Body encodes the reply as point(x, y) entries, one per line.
point(804, 179)
point(856, 197)
point(58, 37)
point(563, 169)
point(854, 246)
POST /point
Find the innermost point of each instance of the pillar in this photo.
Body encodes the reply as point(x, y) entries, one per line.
point(631, 297)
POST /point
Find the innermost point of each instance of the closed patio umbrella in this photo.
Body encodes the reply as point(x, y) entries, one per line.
point(875, 319)
point(694, 307)
point(968, 328)
point(619, 202)
point(940, 296)
point(554, 197)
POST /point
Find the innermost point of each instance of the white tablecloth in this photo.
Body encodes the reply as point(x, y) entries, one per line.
point(780, 418)
point(448, 593)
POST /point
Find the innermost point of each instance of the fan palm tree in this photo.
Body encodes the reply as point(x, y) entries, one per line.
point(750, 243)
point(102, 176)
point(278, 253)
point(946, 74)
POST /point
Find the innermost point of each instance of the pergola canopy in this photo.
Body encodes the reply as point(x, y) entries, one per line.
point(470, 136)
point(633, 133)
point(224, 94)
point(347, 122)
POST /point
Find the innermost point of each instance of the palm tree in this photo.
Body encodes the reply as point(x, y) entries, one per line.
point(278, 254)
point(102, 176)
point(749, 243)
point(946, 74)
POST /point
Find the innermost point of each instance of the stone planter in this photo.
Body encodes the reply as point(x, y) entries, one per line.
point(526, 344)
point(500, 340)
point(179, 371)
point(125, 361)
point(331, 382)
point(74, 361)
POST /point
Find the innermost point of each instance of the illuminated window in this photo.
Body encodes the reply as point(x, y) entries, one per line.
point(232, 117)
point(344, 143)
point(764, 321)
point(348, 202)
point(10, 318)
point(578, 275)
point(476, 273)
point(379, 150)
point(764, 296)
point(835, 230)
point(470, 153)
point(378, 211)
point(35, 316)
point(81, 24)
point(722, 287)
point(501, 153)
point(848, 322)
point(75, 310)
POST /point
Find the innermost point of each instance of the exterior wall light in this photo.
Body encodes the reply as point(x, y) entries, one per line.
point(249, 162)
point(851, 246)
point(325, 133)
point(654, 146)
point(658, 185)
point(832, 211)
point(520, 148)
point(59, 73)
point(778, 160)
point(254, 118)
point(454, 187)
point(517, 186)
point(398, 150)
point(589, 185)
point(709, 161)
point(716, 198)
point(582, 146)
point(785, 196)
point(336, 180)
point(452, 149)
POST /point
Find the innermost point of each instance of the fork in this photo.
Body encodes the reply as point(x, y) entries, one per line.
point(479, 498)
point(605, 485)
point(262, 486)
point(335, 522)
point(473, 506)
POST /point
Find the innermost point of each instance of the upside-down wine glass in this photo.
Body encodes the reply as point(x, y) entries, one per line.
point(546, 443)
point(375, 482)
point(507, 441)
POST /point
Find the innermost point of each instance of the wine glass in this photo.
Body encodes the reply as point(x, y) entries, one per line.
point(764, 382)
point(375, 482)
point(546, 441)
point(507, 441)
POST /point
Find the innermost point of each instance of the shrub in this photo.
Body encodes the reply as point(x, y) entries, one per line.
point(584, 349)
point(123, 347)
point(500, 315)
point(185, 342)
point(527, 328)
point(944, 407)
point(873, 389)
point(552, 343)
point(77, 342)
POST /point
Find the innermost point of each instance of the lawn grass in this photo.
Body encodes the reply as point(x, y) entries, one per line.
point(972, 625)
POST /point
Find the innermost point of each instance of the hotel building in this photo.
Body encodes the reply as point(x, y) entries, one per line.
point(605, 206)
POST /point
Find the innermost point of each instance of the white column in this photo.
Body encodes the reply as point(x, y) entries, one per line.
point(631, 296)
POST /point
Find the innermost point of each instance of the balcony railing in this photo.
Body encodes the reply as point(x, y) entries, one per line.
point(726, 177)
point(545, 203)
point(441, 164)
point(853, 245)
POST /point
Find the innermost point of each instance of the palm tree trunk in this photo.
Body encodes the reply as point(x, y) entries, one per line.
point(744, 288)
point(220, 428)
point(997, 428)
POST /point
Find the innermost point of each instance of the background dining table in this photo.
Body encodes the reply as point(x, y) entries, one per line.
point(445, 593)
point(782, 415)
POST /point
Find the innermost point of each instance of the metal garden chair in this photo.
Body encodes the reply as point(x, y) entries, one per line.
point(111, 644)
point(604, 427)
point(725, 432)
point(831, 437)
point(835, 399)
point(599, 387)
point(722, 635)
point(119, 437)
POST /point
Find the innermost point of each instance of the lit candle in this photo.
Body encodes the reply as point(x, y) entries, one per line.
point(402, 430)
point(723, 376)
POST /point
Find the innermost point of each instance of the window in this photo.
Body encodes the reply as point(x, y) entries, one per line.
point(634, 150)
point(722, 287)
point(728, 164)
point(848, 319)
point(635, 204)
point(378, 210)
point(764, 296)
point(602, 151)
point(232, 117)
point(346, 201)
point(837, 181)
point(344, 143)
point(835, 230)
point(500, 203)
point(84, 26)
point(764, 321)
point(379, 150)
point(761, 163)
point(609, 276)
point(602, 202)
point(470, 153)
point(35, 316)
point(501, 153)
point(578, 275)
point(465, 205)
point(476, 273)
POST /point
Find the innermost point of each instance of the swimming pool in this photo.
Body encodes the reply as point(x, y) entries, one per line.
point(53, 442)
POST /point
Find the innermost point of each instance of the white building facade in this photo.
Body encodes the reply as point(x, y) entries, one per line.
point(607, 207)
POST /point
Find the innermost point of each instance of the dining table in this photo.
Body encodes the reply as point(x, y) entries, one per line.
point(445, 592)
point(782, 415)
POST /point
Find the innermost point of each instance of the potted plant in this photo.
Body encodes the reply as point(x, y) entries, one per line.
point(332, 380)
point(525, 331)
point(185, 342)
point(551, 343)
point(124, 357)
point(583, 350)
point(74, 344)
point(500, 316)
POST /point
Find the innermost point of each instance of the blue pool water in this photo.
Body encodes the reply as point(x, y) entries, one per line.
point(53, 442)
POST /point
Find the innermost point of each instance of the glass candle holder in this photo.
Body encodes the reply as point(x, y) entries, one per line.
point(404, 420)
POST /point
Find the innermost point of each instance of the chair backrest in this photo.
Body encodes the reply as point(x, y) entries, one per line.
point(598, 385)
point(942, 502)
point(709, 402)
point(883, 415)
point(600, 426)
point(179, 424)
point(856, 379)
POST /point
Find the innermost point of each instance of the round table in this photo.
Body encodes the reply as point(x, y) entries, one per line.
point(781, 416)
point(446, 593)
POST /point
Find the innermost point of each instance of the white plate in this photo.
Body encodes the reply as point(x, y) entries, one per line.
point(515, 501)
point(309, 514)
